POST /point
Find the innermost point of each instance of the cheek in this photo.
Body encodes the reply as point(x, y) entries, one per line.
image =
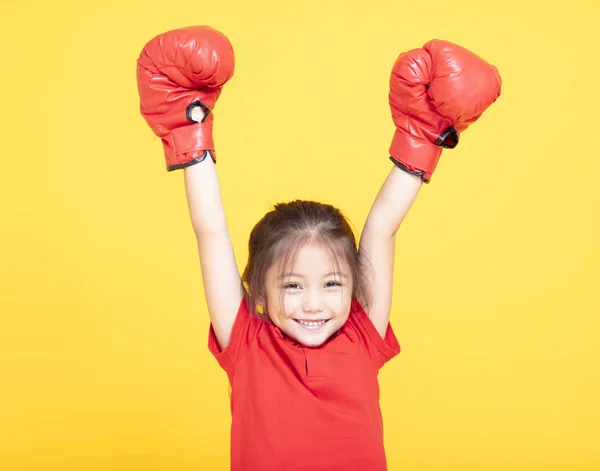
point(341, 298)
point(345, 303)
point(282, 304)
point(291, 304)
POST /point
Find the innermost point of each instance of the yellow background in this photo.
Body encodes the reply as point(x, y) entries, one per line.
point(103, 328)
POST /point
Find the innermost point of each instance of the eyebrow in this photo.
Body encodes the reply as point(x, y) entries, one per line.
point(332, 273)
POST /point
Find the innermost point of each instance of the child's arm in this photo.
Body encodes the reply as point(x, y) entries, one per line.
point(436, 93)
point(222, 283)
point(180, 76)
point(378, 240)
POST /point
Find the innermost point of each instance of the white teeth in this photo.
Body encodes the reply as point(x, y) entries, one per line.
point(311, 323)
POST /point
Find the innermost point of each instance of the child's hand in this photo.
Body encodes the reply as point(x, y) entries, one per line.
point(435, 93)
point(180, 75)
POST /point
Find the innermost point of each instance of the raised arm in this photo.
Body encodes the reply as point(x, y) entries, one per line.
point(436, 92)
point(180, 75)
point(222, 283)
point(378, 240)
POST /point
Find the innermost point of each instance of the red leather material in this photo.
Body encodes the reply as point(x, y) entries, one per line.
point(174, 70)
point(433, 89)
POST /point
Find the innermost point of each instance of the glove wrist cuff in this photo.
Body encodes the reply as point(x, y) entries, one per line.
point(189, 145)
point(414, 153)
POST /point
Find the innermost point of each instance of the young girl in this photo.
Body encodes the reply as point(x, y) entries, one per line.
point(303, 332)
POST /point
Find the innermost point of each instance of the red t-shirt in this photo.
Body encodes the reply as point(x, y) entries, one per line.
point(300, 408)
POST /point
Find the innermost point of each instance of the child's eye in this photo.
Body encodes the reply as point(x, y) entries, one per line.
point(333, 284)
point(291, 286)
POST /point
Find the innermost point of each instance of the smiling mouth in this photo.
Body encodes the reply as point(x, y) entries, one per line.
point(312, 324)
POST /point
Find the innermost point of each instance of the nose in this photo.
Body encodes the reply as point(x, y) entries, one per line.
point(312, 302)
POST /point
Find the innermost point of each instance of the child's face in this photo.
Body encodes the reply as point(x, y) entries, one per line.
point(316, 296)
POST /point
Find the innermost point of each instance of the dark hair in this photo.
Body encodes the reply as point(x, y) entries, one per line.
point(283, 231)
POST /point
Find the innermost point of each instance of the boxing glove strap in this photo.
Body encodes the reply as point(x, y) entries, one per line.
point(188, 145)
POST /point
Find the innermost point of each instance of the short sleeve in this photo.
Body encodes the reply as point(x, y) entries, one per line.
point(245, 330)
point(380, 349)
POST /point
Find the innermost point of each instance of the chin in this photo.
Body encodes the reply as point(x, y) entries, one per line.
point(311, 342)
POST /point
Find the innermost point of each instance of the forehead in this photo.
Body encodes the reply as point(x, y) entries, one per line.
point(312, 260)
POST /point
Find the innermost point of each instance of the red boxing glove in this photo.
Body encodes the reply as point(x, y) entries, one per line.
point(435, 93)
point(176, 72)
